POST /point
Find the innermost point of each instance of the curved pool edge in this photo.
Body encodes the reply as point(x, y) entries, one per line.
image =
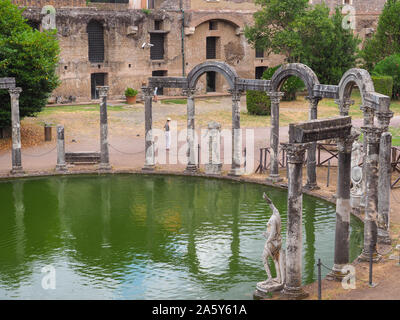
point(241, 179)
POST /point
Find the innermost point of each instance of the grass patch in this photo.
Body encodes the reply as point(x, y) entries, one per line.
point(174, 101)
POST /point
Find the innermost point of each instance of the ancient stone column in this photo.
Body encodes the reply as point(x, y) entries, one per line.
point(343, 207)
point(214, 165)
point(16, 131)
point(274, 136)
point(148, 115)
point(344, 106)
point(311, 161)
point(372, 137)
point(104, 154)
point(61, 165)
point(191, 153)
point(385, 176)
point(368, 113)
point(236, 170)
point(295, 159)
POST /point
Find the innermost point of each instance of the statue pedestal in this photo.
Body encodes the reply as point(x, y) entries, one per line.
point(269, 286)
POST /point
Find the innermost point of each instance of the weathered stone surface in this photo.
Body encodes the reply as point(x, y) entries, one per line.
point(16, 131)
point(104, 152)
point(214, 165)
point(385, 175)
point(61, 163)
point(7, 83)
point(299, 70)
point(323, 129)
point(273, 249)
point(148, 115)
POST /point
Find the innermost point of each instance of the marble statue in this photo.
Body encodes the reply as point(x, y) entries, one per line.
point(273, 249)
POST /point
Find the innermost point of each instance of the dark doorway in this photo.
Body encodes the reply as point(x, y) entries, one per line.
point(160, 73)
point(97, 79)
point(211, 48)
point(157, 50)
point(96, 41)
point(211, 83)
point(260, 72)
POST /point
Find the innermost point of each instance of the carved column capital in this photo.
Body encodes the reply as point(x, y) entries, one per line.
point(103, 91)
point(275, 97)
point(345, 145)
point(344, 105)
point(15, 92)
point(236, 94)
point(367, 110)
point(295, 151)
point(384, 119)
point(372, 134)
point(189, 92)
point(148, 91)
point(314, 101)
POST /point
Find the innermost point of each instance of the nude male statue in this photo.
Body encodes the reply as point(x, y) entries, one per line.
point(273, 249)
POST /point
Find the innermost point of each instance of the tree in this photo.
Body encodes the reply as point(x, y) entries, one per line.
point(305, 34)
point(31, 57)
point(386, 40)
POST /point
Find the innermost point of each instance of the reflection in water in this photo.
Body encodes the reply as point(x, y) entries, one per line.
point(147, 237)
point(18, 195)
point(309, 255)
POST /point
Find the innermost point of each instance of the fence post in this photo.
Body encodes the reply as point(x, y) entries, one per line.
point(329, 173)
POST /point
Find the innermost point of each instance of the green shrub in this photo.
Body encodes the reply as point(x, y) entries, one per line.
point(291, 86)
point(390, 66)
point(258, 103)
point(129, 92)
point(383, 85)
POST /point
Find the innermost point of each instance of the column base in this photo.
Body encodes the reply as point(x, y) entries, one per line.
point(17, 170)
point(293, 293)
point(191, 168)
point(104, 167)
point(274, 178)
point(235, 172)
point(364, 257)
point(148, 167)
point(61, 168)
point(311, 186)
point(384, 237)
point(336, 274)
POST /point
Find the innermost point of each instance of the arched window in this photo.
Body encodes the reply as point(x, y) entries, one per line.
point(96, 41)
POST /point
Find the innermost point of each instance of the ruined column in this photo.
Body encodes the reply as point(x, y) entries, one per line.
point(385, 175)
point(61, 165)
point(214, 165)
point(148, 115)
point(295, 158)
point(368, 121)
point(344, 106)
point(191, 153)
point(104, 154)
point(274, 136)
point(236, 134)
point(311, 161)
point(343, 207)
point(16, 131)
point(372, 137)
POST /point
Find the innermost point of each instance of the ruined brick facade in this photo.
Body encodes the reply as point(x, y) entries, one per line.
point(128, 26)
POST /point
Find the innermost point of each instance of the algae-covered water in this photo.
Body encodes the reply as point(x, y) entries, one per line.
point(147, 237)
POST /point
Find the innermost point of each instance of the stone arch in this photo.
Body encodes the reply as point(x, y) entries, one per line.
point(359, 77)
point(234, 20)
point(221, 67)
point(294, 69)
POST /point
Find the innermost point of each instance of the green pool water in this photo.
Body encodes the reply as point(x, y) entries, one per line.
point(147, 237)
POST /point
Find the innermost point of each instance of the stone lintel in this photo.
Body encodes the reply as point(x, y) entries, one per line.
point(320, 129)
point(7, 83)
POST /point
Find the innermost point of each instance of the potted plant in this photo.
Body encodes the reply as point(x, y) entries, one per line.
point(130, 95)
